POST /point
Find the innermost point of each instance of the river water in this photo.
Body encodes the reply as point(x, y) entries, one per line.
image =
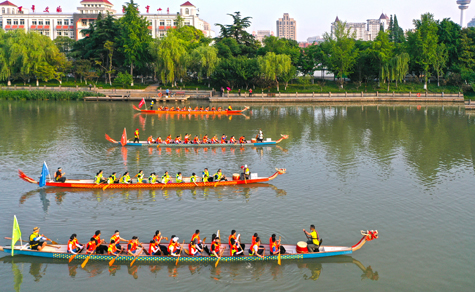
point(405, 171)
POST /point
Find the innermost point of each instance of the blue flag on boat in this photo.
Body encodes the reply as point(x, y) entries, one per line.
point(44, 174)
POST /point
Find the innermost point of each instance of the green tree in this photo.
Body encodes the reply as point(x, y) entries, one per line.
point(170, 58)
point(308, 60)
point(237, 31)
point(449, 33)
point(281, 46)
point(273, 66)
point(134, 39)
point(440, 61)
point(123, 79)
point(204, 59)
point(65, 44)
point(382, 51)
point(342, 51)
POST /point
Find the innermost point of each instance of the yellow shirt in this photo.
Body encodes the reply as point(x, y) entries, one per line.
point(314, 235)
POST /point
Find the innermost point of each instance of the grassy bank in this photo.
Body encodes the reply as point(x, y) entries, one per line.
point(70, 82)
point(45, 94)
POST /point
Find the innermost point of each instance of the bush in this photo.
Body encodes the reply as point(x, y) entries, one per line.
point(45, 94)
point(125, 79)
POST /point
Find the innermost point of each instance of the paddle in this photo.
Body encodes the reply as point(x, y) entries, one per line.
point(139, 253)
point(87, 259)
point(113, 260)
point(57, 247)
point(181, 249)
point(52, 241)
point(216, 265)
point(72, 258)
point(278, 258)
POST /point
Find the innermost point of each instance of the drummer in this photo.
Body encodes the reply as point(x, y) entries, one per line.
point(37, 241)
point(313, 242)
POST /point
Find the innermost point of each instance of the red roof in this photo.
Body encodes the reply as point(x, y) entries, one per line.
point(187, 3)
point(7, 3)
point(102, 1)
point(383, 16)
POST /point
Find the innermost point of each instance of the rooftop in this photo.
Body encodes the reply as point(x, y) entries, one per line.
point(96, 1)
point(187, 3)
point(7, 3)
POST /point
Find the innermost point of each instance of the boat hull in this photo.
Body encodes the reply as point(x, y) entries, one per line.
point(192, 112)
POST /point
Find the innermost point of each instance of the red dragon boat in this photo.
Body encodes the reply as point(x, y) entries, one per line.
point(193, 112)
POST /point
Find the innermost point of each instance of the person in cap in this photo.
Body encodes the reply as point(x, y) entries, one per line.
point(59, 175)
point(313, 243)
point(246, 173)
point(136, 134)
point(116, 238)
point(37, 241)
point(174, 246)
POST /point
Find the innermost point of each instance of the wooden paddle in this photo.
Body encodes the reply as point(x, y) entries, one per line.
point(87, 259)
point(139, 253)
point(52, 241)
point(278, 258)
point(216, 265)
point(181, 249)
point(113, 260)
point(72, 258)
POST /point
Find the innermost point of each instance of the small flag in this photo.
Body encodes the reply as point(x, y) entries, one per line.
point(142, 102)
point(123, 139)
point(16, 233)
point(44, 174)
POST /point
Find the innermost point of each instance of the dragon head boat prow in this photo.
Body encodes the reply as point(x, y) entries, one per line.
point(368, 235)
point(26, 178)
point(281, 170)
point(282, 137)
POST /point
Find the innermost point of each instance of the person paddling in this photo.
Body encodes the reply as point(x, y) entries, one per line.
point(157, 238)
point(59, 175)
point(136, 136)
point(242, 140)
point(216, 250)
point(140, 176)
point(74, 246)
point(274, 246)
point(132, 245)
point(205, 175)
point(152, 179)
point(179, 177)
point(116, 238)
point(165, 177)
point(194, 249)
point(37, 241)
point(174, 246)
point(219, 176)
point(193, 178)
point(257, 249)
point(112, 248)
point(91, 246)
point(313, 244)
point(101, 249)
point(125, 179)
point(98, 179)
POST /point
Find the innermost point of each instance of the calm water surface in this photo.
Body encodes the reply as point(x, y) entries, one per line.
point(408, 173)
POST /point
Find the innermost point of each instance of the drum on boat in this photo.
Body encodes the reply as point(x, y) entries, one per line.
point(236, 176)
point(253, 140)
point(301, 247)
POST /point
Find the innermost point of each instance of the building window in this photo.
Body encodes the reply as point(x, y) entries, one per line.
point(47, 22)
point(9, 21)
point(162, 22)
point(66, 33)
point(82, 11)
point(40, 22)
point(84, 22)
point(175, 23)
point(46, 32)
point(59, 33)
point(1, 23)
point(169, 22)
point(187, 11)
point(33, 22)
point(3, 10)
point(59, 22)
point(187, 23)
point(66, 22)
point(15, 21)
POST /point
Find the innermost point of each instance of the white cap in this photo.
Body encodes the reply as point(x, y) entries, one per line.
point(175, 239)
point(245, 165)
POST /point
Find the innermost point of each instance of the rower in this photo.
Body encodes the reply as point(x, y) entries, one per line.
point(201, 108)
point(165, 177)
point(205, 139)
point(112, 248)
point(223, 139)
point(177, 140)
point(113, 178)
point(205, 175)
point(254, 238)
point(196, 109)
point(184, 108)
point(158, 238)
point(98, 179)
point(257, 249)
point(140, 176)
point(232, 140)
point(196, 237)
point(219, 109)
point(116, 238)
point(74, 246)
point(179, 177)
point(172, 108)
point(154, 248)
point(125, 179)
point(100, 248)
point(91, 246)
point(37, 241)
point(174, 246)
point(194, 249)
point(213, 108)
point(187, 139)
point(233, 236)
point(169, 139)
point(274, 246)
point(235, 247)
point(196, 140)
point(152, 178)
point(190, 109)
point(214, 140)
point(260, 136)
point(242, 140)
point(219, 176)
point(246, 172)
point(230, 108)
point(216, 250)
point(150, 140)
point(59, 175)
point(313, 242)
point(193, 177)
point(132, 245)
point(136, 135)
point(158, 140)
point(151, 104)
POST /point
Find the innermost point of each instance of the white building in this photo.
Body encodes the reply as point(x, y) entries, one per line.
point(261, 34)
point(56, 23)
point(315, 39)
point(366, 31)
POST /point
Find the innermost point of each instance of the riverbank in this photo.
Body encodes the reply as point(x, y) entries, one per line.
point(45, 95)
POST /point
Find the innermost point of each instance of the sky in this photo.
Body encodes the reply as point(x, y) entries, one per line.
point(313, 17)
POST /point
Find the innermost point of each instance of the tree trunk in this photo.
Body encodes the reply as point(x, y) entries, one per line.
point(132, 73)
point(438, 84)
point(277, 84)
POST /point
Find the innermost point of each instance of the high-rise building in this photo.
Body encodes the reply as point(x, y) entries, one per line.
point(463, 5)
point(366, 31)
point(286, 27)
point(261, 34)
point(58, 23)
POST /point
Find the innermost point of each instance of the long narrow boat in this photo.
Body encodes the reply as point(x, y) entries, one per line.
point(268, 142)
point(192, 112)
point(60, 252)
point(89, 183)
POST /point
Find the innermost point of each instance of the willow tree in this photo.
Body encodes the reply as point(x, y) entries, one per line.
point(274, 66)
point(204, 60)
point(170, 58)
point(396, 68)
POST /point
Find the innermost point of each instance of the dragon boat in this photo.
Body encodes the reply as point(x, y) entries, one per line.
point(267, 142)
point(293, 252)
point(193, 112)
point(89, 183)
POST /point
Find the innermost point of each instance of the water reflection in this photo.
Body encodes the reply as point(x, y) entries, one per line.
point(150, 195)
point(236, 272)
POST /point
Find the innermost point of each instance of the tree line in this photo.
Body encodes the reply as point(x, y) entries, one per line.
point(116, 50)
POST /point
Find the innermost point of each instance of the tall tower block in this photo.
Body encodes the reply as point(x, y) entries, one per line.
point(463, 4)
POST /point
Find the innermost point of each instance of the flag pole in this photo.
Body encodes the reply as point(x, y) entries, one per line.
point(49, 174)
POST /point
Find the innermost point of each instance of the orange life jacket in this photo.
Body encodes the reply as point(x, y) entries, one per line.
point(241, 140)
point(150, 139)
point(223, 139)
point(195, 236)
point(170, 245)
point(97, 238)
point(137, 134)
point(91, 246)
point(154, 245)
point(159, 140)
point(252, 248)
point(205, 139)
point(116, 238)
point(272, 245)
point(213, 108)
point(253, 240)
point(112, 248)
point(196, 108)
point(132, 245)
point(229, 239)
point(72, 244)
point(196, 140)
point(232, 140)
point(215, 247)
